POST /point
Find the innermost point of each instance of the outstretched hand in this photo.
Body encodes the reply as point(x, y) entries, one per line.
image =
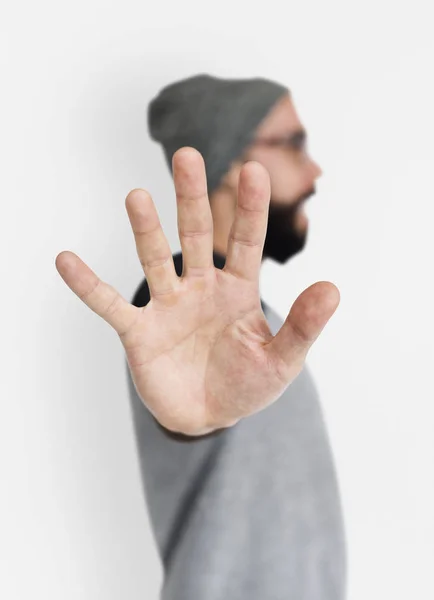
point(201, 353)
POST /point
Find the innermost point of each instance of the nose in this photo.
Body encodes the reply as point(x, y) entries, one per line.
point(316, 169)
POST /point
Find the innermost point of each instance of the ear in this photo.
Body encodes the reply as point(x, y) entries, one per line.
point(231, 177)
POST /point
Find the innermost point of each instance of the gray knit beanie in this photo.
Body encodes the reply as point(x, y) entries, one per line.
point(216, 116)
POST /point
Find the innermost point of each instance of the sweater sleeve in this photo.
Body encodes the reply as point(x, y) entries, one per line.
point(249, 513)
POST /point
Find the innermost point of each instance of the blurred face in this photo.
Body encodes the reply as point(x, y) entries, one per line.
point(280, 146)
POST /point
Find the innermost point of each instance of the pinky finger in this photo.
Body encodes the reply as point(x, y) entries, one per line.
point(99, 296)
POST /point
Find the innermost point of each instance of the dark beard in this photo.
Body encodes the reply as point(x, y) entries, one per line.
point(283, 240)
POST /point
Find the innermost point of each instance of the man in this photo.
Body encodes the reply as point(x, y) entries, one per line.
point(236, 463)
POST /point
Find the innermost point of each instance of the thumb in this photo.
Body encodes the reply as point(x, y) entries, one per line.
point(307, 318)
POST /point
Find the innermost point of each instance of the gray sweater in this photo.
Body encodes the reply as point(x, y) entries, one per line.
point(251, 512)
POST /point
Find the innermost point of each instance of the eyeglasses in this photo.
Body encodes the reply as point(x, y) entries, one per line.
point(294, 141)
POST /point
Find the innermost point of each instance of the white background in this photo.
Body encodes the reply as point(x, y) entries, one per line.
point(75, 81)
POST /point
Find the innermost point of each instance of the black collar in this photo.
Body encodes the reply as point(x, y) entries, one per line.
point(142, 295)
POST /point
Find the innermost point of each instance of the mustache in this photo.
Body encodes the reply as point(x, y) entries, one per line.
point(305, 196)
point(291, 209)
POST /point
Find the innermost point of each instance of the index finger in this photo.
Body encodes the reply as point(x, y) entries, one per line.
point(248, 232)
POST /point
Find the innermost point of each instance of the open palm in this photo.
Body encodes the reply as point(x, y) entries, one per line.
point(201, 353)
